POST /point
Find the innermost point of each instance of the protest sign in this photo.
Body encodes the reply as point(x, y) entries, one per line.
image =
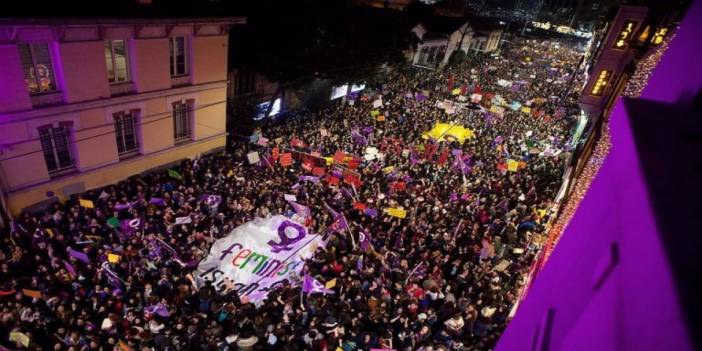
point(258, 255)
point(253, 157)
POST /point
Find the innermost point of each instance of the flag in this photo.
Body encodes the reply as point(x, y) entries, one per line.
point(86, 203)
point(113, 222)
point(359, 263)
point(70, 268)
point(512, 165)
point(365, 240)
point(286, 159)
point(354, 163)
point(443, 157)
point(183, 220)
point(120, 207)
point(358, 138)
point(124, 347)
point(301, 210)
point(262, 141)
point(359, 206)
point(157, 201)
point(295, 142)
point(396, 212)
point(113, 258)
point(78, 255)
point(19, 337)
point(211, 200)
point(371, 212)
point(313, 179)
point(159, 309)
point(311, 286)
point(339, 156)
point(130, 226)
point(330, 284)
point(174, 174)
point(253, 157)
point(318, 171)
point(275, 153)
point(307, 164)
point(339, 222)
point(35, 294)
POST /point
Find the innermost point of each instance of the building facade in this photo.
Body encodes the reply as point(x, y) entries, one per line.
point(85, 104)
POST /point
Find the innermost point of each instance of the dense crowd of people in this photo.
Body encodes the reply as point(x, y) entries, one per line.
point(445, 277)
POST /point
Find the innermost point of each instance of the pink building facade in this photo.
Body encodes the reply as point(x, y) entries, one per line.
point(87, 103)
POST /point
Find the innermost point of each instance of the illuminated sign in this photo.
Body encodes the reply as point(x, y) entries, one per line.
point(659, 35)
point(601, 83)
point(624, 35)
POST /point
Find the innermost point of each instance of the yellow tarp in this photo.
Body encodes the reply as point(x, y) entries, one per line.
point(443, 131)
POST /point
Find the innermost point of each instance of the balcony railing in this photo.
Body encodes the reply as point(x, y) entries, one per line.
point(47, 99)
point(122, 88)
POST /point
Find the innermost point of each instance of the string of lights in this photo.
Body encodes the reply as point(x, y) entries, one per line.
point(645, 67)
point(633, 89)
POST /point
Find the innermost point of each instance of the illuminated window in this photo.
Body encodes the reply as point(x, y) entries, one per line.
point(116, 59)
point(178, 54)
point(37, 68)
point(125, 132)
point(56, 147)
point(601, 83)
point(624, 35)
point(659, 35)
point(181, 122)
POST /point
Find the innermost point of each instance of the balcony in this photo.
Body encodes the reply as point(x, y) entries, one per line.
point(177, 81)
point(117, 89)
point(47, 99)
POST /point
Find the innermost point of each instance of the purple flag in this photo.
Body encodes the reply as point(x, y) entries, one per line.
point(367, 130)
point(364, 239)
point(301, 210)
point(157, 201)
point(159, 309)
point(79, 255)
point(121, 207)
point(371, 212)
point(211, 200)
point(358, 138)
point(311, 286)
point(70, 268)
point(130, 226)
point(313, 179)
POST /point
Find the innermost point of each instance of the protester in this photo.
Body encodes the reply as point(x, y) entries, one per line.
point(445, 277)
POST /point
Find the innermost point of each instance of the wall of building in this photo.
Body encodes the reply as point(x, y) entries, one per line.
point(89, 102)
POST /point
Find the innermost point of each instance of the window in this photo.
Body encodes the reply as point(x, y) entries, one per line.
point(178, 52)
point(37, 68)
point(55, 144)
point(125, 132)
point(116, 59)
point(181, 122)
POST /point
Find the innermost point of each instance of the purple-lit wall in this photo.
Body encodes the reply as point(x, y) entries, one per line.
point(634, 306)
point(678, 75)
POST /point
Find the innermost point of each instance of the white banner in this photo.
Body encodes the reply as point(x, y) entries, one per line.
point(258, 255)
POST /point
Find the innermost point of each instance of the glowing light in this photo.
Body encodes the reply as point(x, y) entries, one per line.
point(624, 34)
point(645, 67)
point(601, 83)
point(659, 35)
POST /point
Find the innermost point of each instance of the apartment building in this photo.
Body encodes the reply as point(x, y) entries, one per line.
point(86, 103)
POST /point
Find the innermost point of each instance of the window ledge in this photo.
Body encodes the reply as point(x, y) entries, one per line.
point(129, 154)
point(180, 80)
point(47, 99)
point(62, 172)
point(122, 88)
